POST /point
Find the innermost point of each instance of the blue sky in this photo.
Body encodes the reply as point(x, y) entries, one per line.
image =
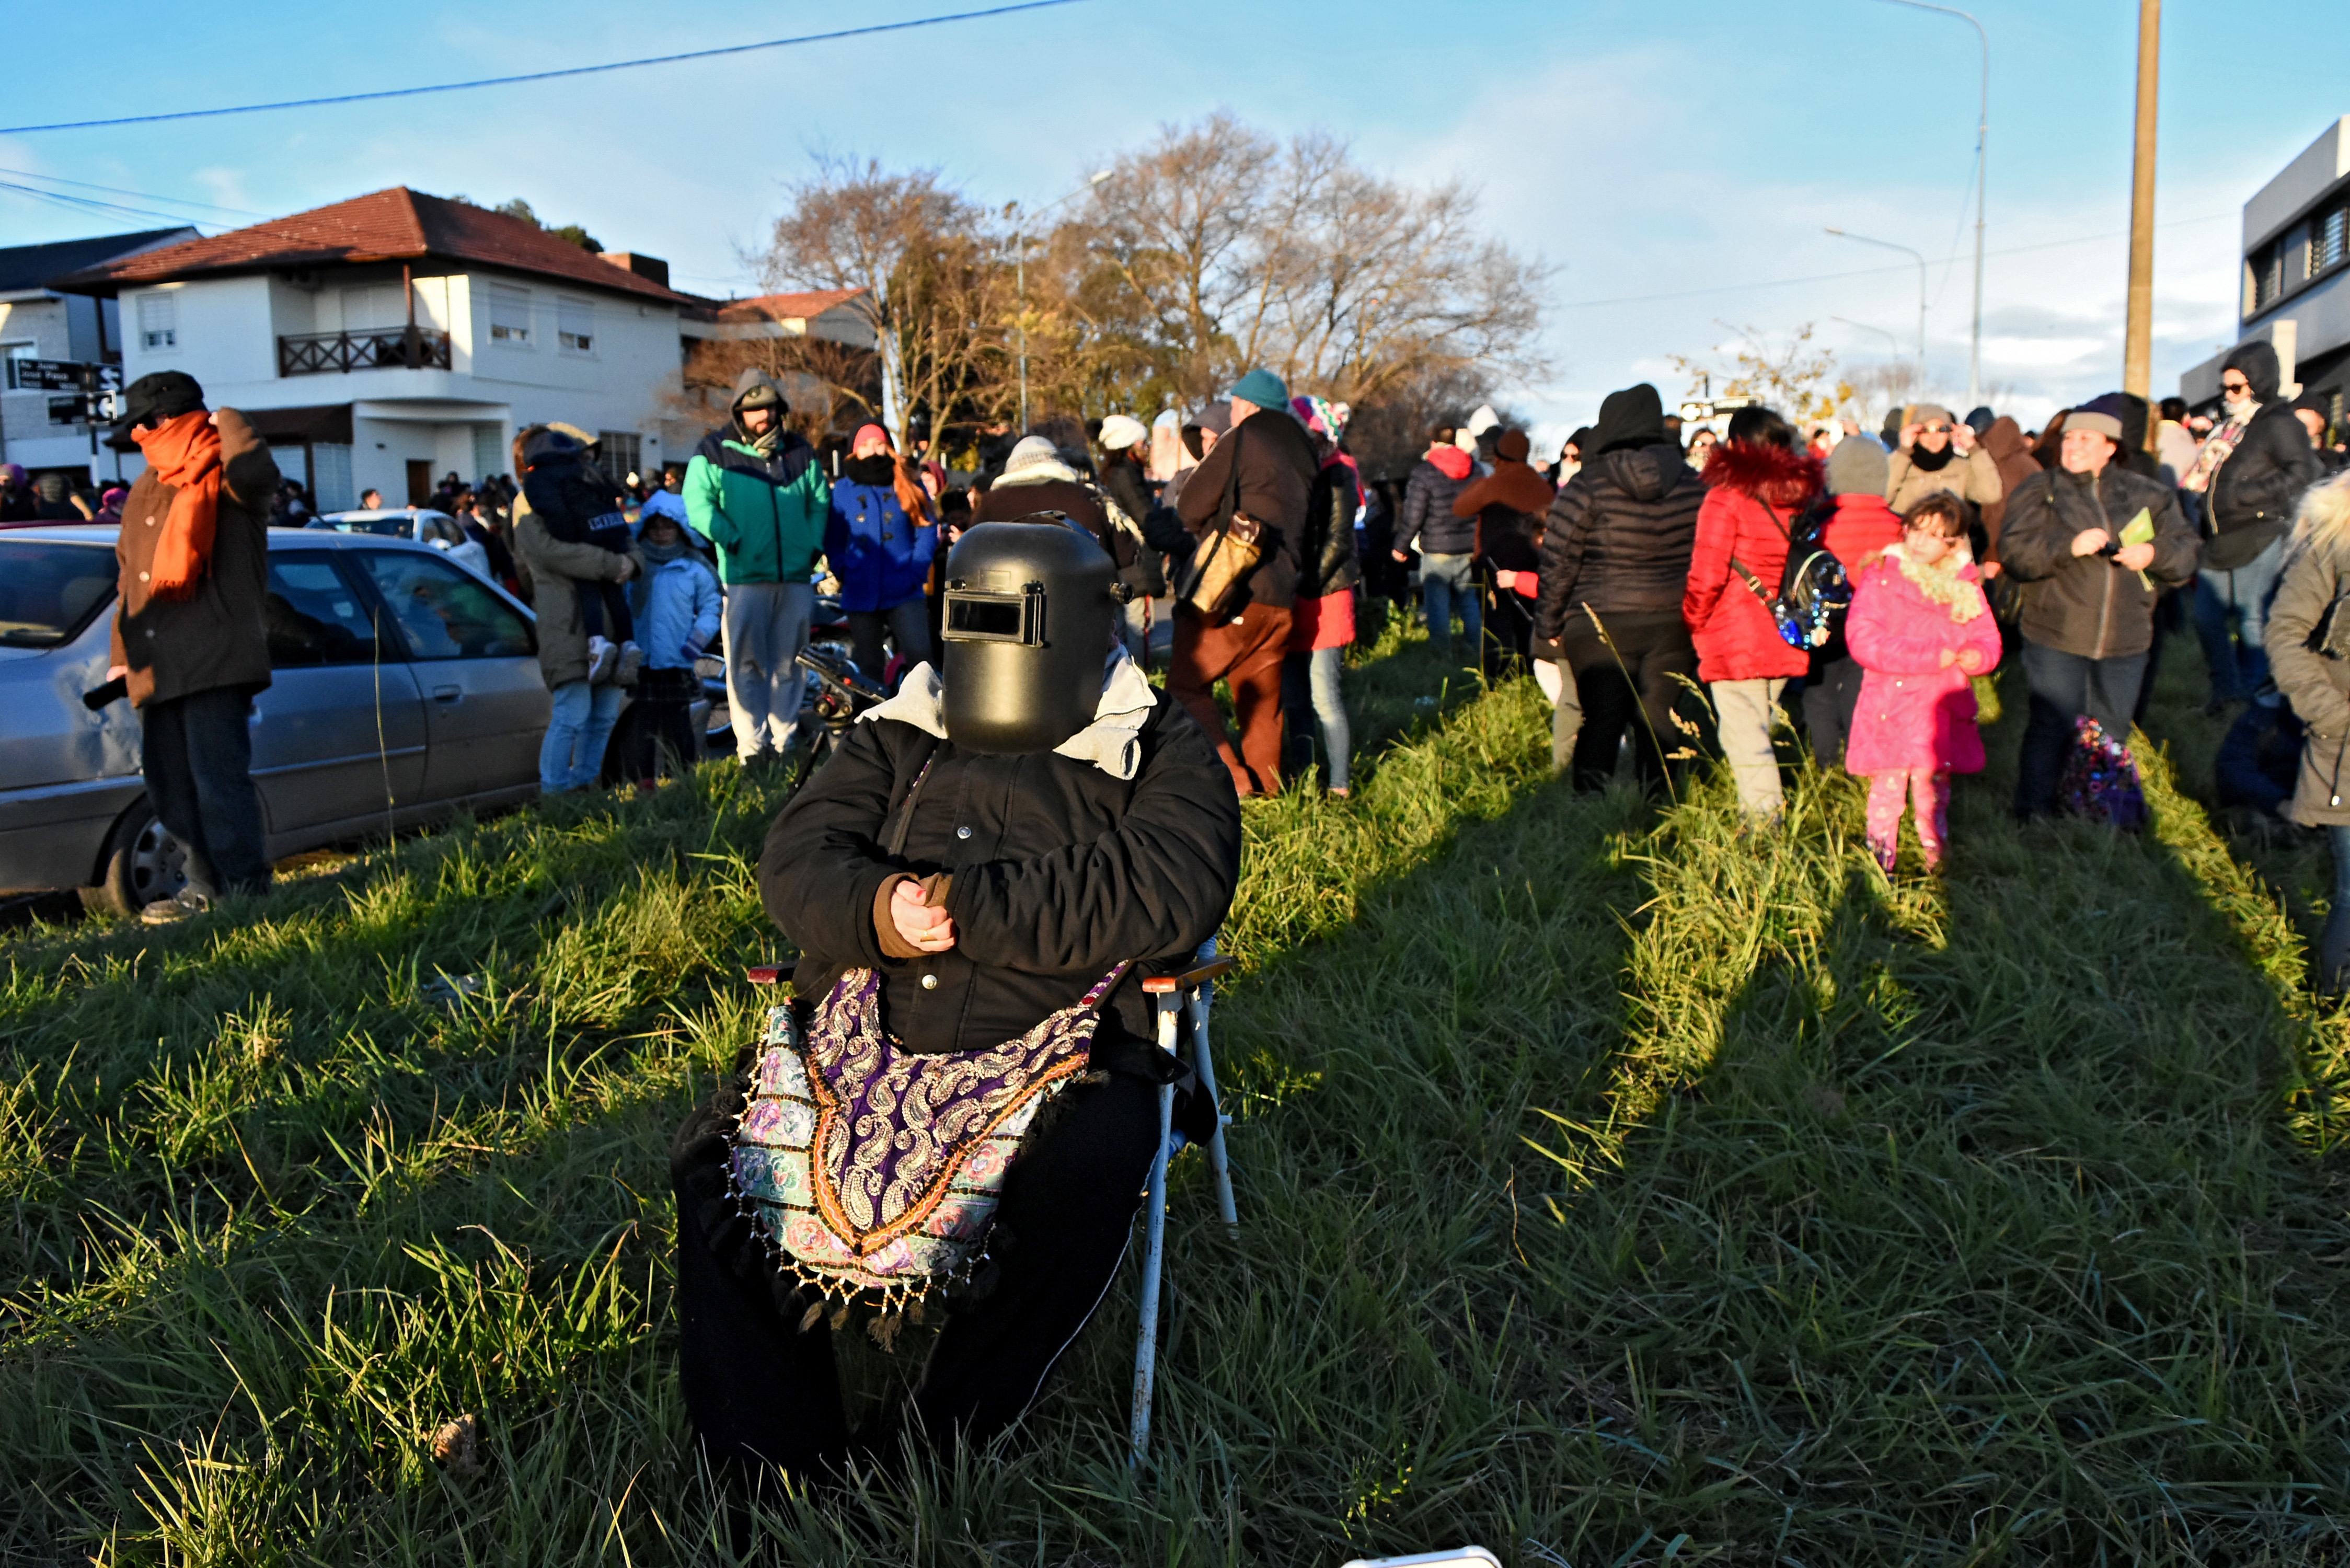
point(1690, 152)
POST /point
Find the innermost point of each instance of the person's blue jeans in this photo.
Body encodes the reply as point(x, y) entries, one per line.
point(1309, 681)
point(577, 731)
point(2231, 616)
point(197, 755)
point(1445, 580)
point(2063, 687)
point(2334, 942)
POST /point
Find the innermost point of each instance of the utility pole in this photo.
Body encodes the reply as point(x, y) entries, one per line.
point(2137, 337)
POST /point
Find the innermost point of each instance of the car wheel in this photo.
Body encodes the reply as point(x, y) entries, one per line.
point(143, 863)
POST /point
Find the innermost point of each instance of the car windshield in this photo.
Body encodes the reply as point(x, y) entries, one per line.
point(49, 590)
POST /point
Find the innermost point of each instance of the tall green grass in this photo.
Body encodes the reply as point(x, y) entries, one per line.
point(1615, 1188)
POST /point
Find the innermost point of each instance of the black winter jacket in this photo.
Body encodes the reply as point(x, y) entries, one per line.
point(2085, 605)
point(1619, 537)
point(1277, 463)
point(2253, 494)
point(1428, 524)
point(1060, 872)
point(1326, 548)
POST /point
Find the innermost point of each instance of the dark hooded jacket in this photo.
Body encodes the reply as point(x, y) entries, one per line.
point(1059, 872)
point(1275, 463)
point(217, 636)
point(2253, 494)
point(2012, 456)
point(2085, 605)
point(1620, 533)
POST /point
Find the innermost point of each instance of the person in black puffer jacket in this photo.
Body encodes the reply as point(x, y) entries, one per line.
point(2258, 478)
point(1447, 544)
point(1615, 561)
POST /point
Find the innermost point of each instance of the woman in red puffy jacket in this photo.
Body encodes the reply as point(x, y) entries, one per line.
point(1759, 482)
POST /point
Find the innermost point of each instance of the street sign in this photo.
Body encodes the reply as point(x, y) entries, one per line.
point(62, 376)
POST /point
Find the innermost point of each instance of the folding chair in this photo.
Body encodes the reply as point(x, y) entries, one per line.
point(1176, 995)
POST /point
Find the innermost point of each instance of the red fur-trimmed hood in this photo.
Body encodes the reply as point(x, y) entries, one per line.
point(1771, 474)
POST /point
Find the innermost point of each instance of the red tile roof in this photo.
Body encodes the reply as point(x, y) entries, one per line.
point(804, 306)
point(397, 224)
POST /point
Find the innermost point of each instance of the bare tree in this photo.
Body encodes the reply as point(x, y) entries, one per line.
point(1793, 376)
point(920, 254)
point(827, 384)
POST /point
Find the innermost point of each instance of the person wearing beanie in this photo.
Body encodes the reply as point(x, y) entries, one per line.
point(1447, 542)
point(1615, 564)
point(1934, 450)
point(1036, 478)
point(1125, 481)
point(2250, 474)
point(191, 640)
point(880, 536)
point(1857, 527)
point(2090, 541)
point(1262, 470)
point(756, 490)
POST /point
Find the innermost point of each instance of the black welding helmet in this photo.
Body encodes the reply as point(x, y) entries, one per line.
point(1029, 614)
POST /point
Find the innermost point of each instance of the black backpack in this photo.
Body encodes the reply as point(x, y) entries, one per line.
point(1814, 592)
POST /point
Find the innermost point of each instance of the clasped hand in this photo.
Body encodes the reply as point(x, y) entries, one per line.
point(927, 927)
point(1970, 660)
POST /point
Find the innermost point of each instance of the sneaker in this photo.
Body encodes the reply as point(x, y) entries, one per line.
point(602, 657)
point(632, 659)
point(170, 912)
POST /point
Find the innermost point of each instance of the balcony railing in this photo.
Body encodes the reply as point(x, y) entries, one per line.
point(383, 349)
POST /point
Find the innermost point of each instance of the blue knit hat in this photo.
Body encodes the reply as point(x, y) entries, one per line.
point(1263, 387)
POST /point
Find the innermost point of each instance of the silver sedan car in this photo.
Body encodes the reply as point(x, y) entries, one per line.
point(404, 688)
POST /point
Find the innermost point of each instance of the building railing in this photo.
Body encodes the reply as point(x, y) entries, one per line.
point(382, 348)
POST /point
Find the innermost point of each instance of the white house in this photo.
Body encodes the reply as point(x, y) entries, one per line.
point(382, 342)
point(2296, 276)
point(41, 427)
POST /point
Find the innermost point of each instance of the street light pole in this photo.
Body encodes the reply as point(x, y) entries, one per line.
point(1020, 274)
point(1920, 260)
point(1983, 177)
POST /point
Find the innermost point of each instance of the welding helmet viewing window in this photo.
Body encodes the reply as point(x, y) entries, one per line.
point(1029, 613)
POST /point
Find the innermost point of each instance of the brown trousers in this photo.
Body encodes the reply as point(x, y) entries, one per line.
point(1246, 655)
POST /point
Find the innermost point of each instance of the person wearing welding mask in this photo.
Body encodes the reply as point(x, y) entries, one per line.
point(993, 844)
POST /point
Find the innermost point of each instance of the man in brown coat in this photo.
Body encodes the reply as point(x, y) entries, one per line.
point(1266, 466)
point(191, 643)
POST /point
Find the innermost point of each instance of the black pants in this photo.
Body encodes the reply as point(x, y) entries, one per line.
point(2065, 686)
point(1830, 696)
point(761, 1392)
point(1630, 678)
point(197, 753)
point(664, 727)
point(1509, 633)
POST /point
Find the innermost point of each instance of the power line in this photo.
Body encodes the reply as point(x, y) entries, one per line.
point(544, 76)
point(1867, 271)
point(114, 209)
point(142, 195)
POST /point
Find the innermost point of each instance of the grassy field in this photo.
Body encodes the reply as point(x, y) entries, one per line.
point(1615, 1190)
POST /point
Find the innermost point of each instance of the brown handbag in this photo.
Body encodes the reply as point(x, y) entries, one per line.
point(1215, 584)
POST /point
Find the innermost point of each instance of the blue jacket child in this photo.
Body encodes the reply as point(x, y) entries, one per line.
point(679, 603)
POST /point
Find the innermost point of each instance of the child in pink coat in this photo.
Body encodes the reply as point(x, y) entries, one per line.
point(1921, 630)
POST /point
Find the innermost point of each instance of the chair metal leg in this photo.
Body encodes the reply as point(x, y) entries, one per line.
point(1154, 1245)
point(1204, 1061)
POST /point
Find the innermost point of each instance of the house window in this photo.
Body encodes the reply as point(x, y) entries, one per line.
point(158, 320)
point(575, 325)
point(510, 315)
point(621, 452)
point(15, 352)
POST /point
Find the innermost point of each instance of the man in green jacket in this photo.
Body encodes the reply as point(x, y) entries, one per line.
point(756, 491)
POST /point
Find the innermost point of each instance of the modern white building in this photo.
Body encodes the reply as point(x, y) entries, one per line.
point(385, 341)
point(2295, 282)
point(41, 427)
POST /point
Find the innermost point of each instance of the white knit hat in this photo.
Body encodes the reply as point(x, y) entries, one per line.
point(1034, 451)
point(1119, 431)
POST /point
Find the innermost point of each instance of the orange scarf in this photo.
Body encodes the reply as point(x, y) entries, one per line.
point(185, 453)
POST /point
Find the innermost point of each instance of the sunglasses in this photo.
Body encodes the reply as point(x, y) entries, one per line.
point(1934, 430)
